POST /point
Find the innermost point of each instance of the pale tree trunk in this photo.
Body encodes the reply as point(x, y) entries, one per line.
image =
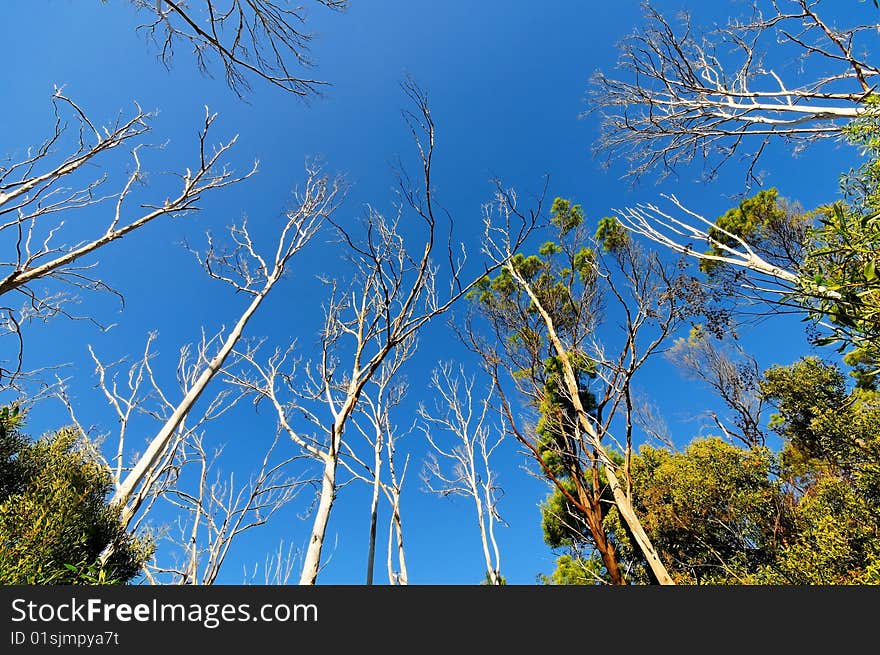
point(392, 297)
point(491, 570)
point(395, 529)
point(125, 492)
point(312, 562)
point(458, 468)
point(327, 496)
point(374, 508)
point(395, 524)
point(247, 272)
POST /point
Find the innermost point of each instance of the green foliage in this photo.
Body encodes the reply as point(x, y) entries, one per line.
point(842, 260)
point(831, 459)
point(834, 540)
point(573, 570)
point(840, 281)
point(611, 234)
point(11, 443)
point(556, 519)
point(565, 216)
point(752, 220)
point(827, 430)
point(803, 393)
point(54, 520)
point(710, 510)
point(584, 262)
point(487, 580)
point(558, 419)
point(723, 514)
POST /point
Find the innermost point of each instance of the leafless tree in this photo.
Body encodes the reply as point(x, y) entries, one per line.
point(733, 374)
point(374, 422)
point(138, 402)
point(249, 273)
point(787, 71)
point(212, 510)
point(67, 175)
point(251, 38)
point(463, 440)
point(396, 562)
point(216, 510)
point(278, 566)
point(392, 295)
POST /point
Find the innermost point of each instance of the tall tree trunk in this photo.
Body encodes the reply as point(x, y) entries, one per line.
point(374, 509)
point(484, 539)
point(402, 576)
point(620, 497)
point(312, 563)
point(126, 489)
point(593, 516)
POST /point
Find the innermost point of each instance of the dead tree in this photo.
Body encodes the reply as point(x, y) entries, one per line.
point(278, 567)
point(68, 174)
point(216, 510)
point(249, 273)
point(251, 38)
point(463, 439)
point(212, 509)
point(786, 72)
point(396, 561)
point(374, 423)
point(392, 295)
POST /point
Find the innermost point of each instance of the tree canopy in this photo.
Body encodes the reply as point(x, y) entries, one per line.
point(55, 522)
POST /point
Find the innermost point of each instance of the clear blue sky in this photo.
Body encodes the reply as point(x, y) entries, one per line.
point(506, 81)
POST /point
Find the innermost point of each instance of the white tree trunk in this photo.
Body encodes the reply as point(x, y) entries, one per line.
point(401, 577)
point(312, 563)
point(484, 537)
point(126, 490)
point(374, 509)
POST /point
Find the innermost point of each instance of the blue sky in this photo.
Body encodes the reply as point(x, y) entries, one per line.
point(506, 83)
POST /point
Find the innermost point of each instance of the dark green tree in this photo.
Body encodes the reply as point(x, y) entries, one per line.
point(808, 514)
point(830, 463)
point(54, 518)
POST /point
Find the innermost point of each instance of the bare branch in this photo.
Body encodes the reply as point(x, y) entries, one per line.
point(251, 38)
point(464, 466)
point(711, 95)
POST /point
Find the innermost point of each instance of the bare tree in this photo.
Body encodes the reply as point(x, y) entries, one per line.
point(396, 562)
point(42, 193)
point(251, 38)
point(375, 424)
point(733, 374)
point(248, 272)
point(393, 294)
point(278, 566)
point(217, 510)
point(784, 72)
point(463, 467)
point(213, 510)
